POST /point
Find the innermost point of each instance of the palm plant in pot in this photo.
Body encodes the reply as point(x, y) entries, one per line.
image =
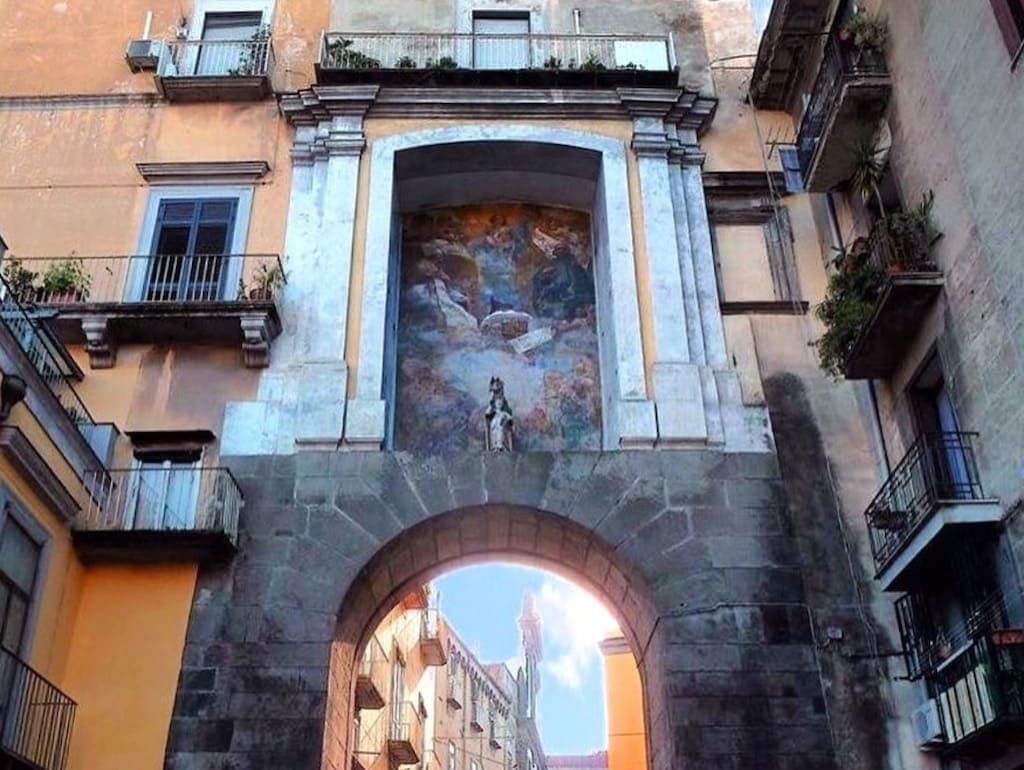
point(20, 281)
point(267, 281)
point(66, 280)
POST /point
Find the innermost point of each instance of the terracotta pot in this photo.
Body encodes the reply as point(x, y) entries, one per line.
point(260, 294)
point(64, 298)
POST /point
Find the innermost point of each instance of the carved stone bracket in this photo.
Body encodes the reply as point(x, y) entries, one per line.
point(257, 332)
point(99, 343)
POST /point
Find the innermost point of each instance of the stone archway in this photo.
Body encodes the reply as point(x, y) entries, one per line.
point(706, 578)
point(477, 534)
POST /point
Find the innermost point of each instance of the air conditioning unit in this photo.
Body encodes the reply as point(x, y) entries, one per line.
point(143, 54)
point(927, 725)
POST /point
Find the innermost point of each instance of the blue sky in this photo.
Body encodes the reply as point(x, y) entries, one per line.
point(483, 602)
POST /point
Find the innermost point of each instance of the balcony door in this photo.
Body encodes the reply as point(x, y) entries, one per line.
point(189, 254)
point(163, 493)
point(397, 696)
point(19, 563)
point(937, 422)
point(491, 52)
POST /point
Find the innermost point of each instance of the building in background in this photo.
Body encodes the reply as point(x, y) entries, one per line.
point(261, 277)
point(423, 698)
point(623, 707)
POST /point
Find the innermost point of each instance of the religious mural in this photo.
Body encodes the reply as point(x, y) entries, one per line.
point(502, 291)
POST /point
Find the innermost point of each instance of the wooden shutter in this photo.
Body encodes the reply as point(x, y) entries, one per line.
point(1009, 15)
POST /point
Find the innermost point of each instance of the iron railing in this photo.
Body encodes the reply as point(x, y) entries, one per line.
point(36, 718)
point(448, 50)
point(369, 739)
point(983, 684)
point(903, 248)
point(938, 468)
point(405, 725)
point(40, 349)
point(928, 641)
point(217, 58)
point(164, 499)
point(151, 278)
point(374, 664)
point(430, 624)
point(841, 62)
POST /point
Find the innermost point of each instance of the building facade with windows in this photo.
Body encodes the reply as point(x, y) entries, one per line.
point(423, 698)
point(268, 260)
point(901, 154)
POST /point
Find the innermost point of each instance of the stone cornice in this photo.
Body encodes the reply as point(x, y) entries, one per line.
point(78, 101)
point(177, 172)
point(36, 472)
point(322, 103)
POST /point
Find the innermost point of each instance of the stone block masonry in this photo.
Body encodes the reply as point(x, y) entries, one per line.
point(692, 550)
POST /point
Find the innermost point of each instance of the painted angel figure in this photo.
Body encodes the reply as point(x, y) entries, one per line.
point(500, 426)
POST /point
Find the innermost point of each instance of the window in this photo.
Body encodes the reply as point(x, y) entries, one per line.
point(490, 51)
point(191, 244)
point(194, 238)
point(474, 765)
point(164, 492)
point(229, 36)
point(1010, 17)
point(451, 755)
point(19, 562)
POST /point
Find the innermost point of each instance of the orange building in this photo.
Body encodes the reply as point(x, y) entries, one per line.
point(624, 707)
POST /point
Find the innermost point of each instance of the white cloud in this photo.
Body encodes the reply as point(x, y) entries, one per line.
point(574, 623)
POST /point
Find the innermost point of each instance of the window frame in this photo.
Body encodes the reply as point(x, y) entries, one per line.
point(1010, 28)
point(203, 7)
point(135, 283)
point(11, 505)
point(138, 461)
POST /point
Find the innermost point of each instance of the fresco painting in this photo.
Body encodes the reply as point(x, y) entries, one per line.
point(503, 290)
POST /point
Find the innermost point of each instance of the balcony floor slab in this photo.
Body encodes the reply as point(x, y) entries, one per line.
point(152, 546)
point(909, 567)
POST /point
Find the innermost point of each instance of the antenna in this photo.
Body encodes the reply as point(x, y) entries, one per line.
point(779, 136)
point(148, 25)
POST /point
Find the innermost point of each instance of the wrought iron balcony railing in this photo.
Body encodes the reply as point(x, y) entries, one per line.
point(372, 677)
point(405, 733)
point(449, 51)
point(938, 468)
point(982, 685)
point(928, 641)
point(164, 500)
point(36, 718)
point(42, 352)
point(897, 245)
point(160, 278)
point(841, 62)
point(216, 58)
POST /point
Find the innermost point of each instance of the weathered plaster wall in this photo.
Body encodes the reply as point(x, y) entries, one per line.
point(124, 661)
point(77, 47)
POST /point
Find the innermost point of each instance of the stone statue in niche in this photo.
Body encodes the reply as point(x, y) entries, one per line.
point(499, 419)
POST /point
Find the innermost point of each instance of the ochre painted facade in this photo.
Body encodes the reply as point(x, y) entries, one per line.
point(624, 707)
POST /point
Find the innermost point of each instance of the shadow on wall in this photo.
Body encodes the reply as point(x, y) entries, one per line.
point(833, 583)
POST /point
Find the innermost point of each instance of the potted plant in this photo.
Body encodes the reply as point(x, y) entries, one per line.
point(405, 63)
point(267, 280)
point(849, 301)
point(66, 281)
point(253, 58)
point(20, 281)
point(341, 55)
point(865, 30)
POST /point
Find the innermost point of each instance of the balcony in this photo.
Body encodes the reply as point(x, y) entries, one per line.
point(369, 741)
point(454, 696)
point(849, 97)
point(477, 716)
point(46, 356)
point(103, 302)
point(36, 718)
point(159, 515)
point(927, 502)
point(216, 70)
point(405, 735)
point(908, 283)
point(468, 59)
point(431, 644)
point(371, 680)
point(980, 693)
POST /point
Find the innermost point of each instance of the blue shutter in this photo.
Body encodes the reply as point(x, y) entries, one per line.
point(791, 168)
